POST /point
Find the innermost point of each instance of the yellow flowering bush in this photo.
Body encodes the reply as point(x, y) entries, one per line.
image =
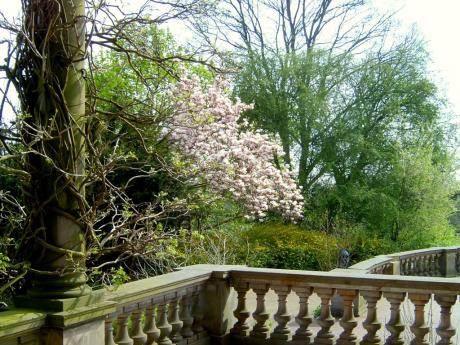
point(289, 246)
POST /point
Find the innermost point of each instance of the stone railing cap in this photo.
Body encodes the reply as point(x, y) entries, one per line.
point(19, 320)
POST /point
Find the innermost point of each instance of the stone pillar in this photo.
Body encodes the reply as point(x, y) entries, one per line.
point(56, 189)
point(395, 267)
point(449, 259)
point(219, 307)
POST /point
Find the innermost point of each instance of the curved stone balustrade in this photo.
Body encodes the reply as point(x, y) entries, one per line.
point(431, 262)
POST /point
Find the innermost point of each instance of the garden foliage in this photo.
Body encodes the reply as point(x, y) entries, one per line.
point(279, 245)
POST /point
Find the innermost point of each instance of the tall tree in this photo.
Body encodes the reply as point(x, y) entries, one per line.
point(293, 56)
point(343, 94)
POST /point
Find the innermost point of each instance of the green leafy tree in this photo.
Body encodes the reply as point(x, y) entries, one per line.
point(345, 104)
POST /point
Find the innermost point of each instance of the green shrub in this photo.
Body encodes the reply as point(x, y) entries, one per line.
point(221, 246)
point(363, 244)
point(277, 245)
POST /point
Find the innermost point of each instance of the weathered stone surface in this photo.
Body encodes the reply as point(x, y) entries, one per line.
point(89, 333)
point(215, 297)
point(19, 321)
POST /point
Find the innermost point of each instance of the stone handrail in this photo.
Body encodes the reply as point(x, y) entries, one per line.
point(431, 262)
point(162, 309)
point(21, 326)
point(253, 326)
point(207, 304)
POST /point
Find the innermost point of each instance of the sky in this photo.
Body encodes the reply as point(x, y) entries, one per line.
point(438, 23)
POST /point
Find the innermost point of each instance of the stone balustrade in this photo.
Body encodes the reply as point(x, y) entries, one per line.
point(211, 304)
point(432, 262)
point(293, 326)
point(162, 310)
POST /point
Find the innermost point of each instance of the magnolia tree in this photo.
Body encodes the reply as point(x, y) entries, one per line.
point(231, 160)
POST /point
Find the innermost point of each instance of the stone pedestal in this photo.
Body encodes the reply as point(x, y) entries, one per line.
point(70, 321)
point(449, 263)
point(220, 303)
point(91, 333)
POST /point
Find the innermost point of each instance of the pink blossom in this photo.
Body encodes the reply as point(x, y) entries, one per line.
point(206, 132)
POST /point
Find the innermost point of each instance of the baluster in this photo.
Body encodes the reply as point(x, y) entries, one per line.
point(394, 325)
point(414, 266)
point(407, 267)
point(419, 265)
point(371, 324)
point(138, 334)
point(282, 317)
point(445, 329)
point(261, 329)
point(435, 265)
point(303, 319)
point(164, 327)
point(423, 264)
point(348, 322)
point(122, 337)
point(153, 333)
point(175, 322)
point(426, 264)
point(386, 269)
point(197, 312)
point(403, 267)
point(241, 327)
point(324, 335)
point(457, 262)
point(419, 328)
point(430, 265)
point(109, 331)
point(186, 315)
point(438, 265)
